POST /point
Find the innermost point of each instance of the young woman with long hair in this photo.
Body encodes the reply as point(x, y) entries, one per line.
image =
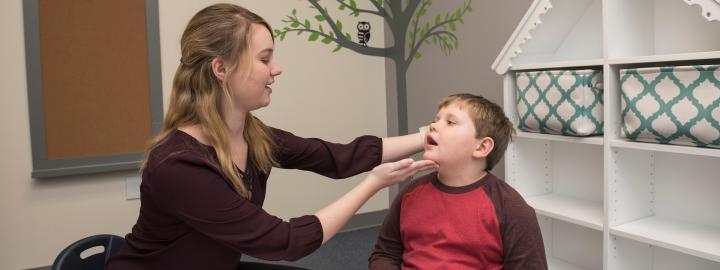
point(205, 173)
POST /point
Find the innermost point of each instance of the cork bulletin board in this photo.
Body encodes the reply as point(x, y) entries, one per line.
point(93, 70)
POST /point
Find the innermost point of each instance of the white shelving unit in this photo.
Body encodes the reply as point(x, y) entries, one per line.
point(604, 202)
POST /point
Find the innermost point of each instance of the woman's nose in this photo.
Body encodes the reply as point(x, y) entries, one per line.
point(276, 70)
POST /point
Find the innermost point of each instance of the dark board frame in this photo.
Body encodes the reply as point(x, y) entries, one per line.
point(43, 167)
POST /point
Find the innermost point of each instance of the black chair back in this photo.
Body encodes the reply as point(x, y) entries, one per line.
point(69, 258)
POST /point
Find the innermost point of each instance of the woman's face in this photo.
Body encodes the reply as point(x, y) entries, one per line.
point(254, 92)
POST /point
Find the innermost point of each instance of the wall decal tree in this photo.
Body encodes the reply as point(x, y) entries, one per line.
point(404, 21)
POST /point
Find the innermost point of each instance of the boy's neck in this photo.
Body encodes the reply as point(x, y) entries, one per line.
point(463, 175)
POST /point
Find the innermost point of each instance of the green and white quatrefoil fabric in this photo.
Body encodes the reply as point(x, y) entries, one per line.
point(672, 105)
point(563, 102)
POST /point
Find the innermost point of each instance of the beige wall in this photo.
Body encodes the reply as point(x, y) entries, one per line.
point(331, 96)
point(466, 69)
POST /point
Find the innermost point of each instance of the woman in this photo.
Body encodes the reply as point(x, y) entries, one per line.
point(205, 174)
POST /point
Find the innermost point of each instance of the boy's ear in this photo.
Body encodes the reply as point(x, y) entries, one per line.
point(483, 147)
point(219, 68)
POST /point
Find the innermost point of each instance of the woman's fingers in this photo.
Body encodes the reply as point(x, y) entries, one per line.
point(404, 168)
point(417, 166)
point(395, 172)
point(402, 164)
point(424, 164)
point(410, 164)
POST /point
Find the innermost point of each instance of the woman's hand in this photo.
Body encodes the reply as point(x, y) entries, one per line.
point(391, 173)
point(335, 215)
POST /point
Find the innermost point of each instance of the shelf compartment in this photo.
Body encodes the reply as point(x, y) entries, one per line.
point(642, 28)
point(559, 102)
point(593, 140)
point(629, 254)
point(569, 246)
point(697, 240)
point(670, 104)
point(542, 167)
point(665, 199)
point(570, 30)
point(576, 211)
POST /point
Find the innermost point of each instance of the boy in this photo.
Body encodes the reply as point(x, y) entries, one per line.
point(462, 216)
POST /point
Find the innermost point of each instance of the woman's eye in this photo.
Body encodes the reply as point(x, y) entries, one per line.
point(450, 122)
point(265, 61)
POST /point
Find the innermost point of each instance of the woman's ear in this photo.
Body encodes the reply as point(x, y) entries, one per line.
point(219, 68)
point(483, 147)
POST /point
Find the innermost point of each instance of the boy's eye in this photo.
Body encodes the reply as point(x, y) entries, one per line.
point(450, 122)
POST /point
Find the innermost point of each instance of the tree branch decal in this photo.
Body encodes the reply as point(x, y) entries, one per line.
point(422, 31)
point(447, 39)
point(352, 6)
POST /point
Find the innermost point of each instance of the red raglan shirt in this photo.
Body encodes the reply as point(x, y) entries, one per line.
point(484, 225)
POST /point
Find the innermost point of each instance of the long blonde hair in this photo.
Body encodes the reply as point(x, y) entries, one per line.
point(221, 30)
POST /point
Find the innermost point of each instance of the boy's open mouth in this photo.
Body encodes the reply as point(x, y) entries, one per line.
point(431, 141)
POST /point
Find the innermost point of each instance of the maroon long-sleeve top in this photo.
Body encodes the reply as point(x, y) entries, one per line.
point(191, 217)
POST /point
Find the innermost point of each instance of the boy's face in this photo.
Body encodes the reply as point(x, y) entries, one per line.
point(451, 137)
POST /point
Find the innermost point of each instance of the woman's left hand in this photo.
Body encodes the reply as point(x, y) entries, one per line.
point(391, 173)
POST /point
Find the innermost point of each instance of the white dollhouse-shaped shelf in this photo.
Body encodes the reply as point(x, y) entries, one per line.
point(604, 202)
point(710, 8)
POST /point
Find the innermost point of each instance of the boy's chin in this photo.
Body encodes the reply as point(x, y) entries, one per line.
point(430, 156)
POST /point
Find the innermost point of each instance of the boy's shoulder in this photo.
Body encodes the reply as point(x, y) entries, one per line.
point(495, 182)
point(505, 195)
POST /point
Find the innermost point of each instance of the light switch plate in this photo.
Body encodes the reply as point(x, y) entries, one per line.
point(132, 187)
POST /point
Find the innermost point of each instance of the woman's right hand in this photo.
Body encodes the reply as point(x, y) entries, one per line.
point(335, 215)
point(391, 173)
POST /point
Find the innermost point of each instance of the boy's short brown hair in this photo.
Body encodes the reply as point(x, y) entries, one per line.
point(489, 120)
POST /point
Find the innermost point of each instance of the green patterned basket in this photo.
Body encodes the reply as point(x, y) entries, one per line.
point(672, 105)
point(563, 102)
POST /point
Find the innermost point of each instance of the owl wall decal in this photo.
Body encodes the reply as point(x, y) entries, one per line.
point(363, 33)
